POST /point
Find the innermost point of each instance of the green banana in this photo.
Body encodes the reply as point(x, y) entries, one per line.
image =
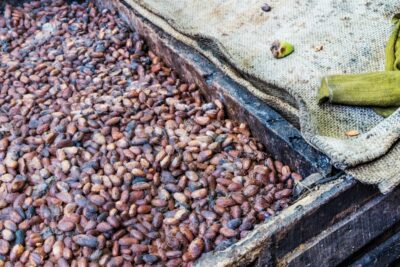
point(385, 112)
point(380, 90)
point(393, 48)
point(392, 61)
point(376, 89)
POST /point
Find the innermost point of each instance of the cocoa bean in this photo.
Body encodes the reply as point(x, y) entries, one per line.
point(195, 248)
point(4, 246)
point(204, 155)
point(107, 158)
point(200, 193)
point(250, 190)
point(86, 240)
point(66, 226)
point(228, 232)
point(283, 193)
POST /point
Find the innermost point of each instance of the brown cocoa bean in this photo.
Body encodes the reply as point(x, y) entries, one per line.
point(127, 241)
point(250, 190)
point(225, 202)
point(195, 248)
point(4, 246)
point(204, 155)
point(200, 193)
point(112, 160)
point(192, 176)
point(283, 193)
point(228, 232)
point(58, 249)
point(66, 226)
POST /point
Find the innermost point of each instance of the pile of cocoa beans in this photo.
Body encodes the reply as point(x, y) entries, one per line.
point(107, 158)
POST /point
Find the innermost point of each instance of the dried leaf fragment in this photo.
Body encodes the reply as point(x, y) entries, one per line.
point(352, 133)
point(318, 48)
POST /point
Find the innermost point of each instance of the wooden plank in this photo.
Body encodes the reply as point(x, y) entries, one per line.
point(309, 225)
point(384, 254)
point(342, 239)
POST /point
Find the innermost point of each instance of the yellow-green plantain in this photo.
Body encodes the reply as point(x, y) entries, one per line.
point(379, 89)
point(393, 47)
point(375, 89)
point(392, 60)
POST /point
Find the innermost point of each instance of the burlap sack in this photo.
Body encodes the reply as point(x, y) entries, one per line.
point(236, 36)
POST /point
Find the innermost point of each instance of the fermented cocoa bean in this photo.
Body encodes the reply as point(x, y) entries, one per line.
point(112, 160)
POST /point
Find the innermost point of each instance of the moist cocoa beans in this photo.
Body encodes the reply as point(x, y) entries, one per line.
point(108, 158)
